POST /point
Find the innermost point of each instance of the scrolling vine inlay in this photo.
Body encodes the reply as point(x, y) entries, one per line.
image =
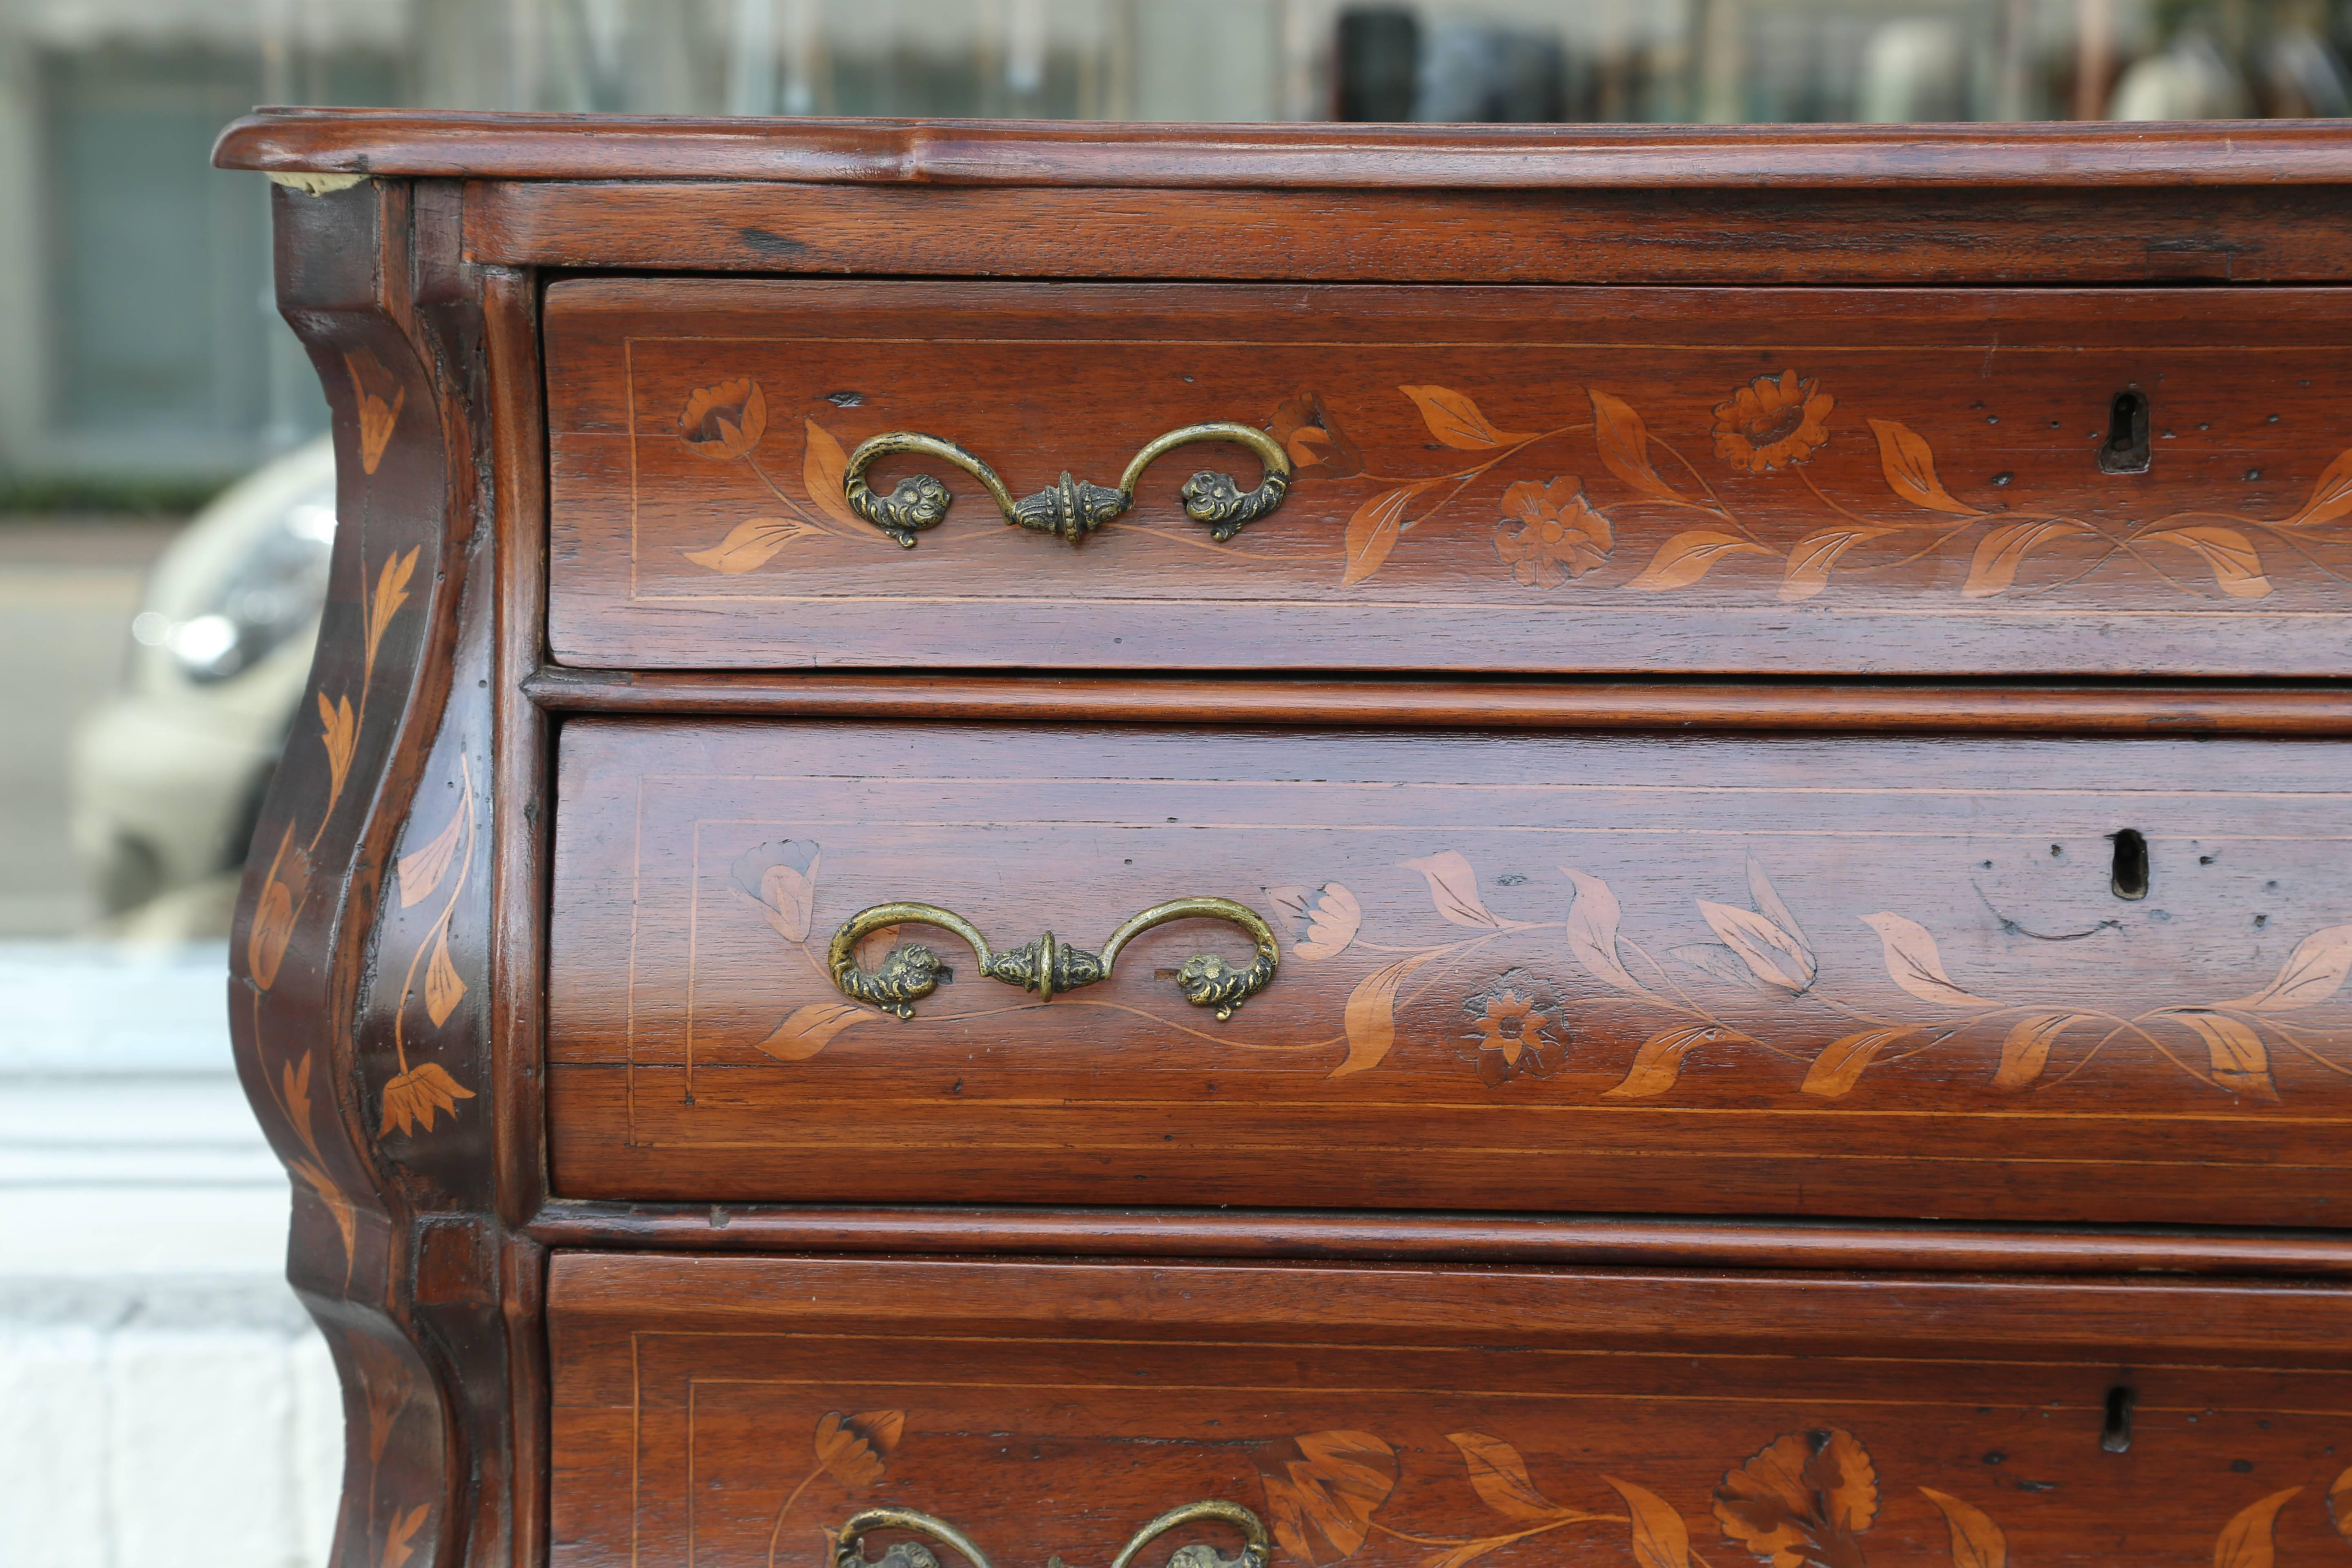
point(1517, 1025)
point(286, 886)
point(1556, 531)
point(1805, 1500)
point(1808, 1499)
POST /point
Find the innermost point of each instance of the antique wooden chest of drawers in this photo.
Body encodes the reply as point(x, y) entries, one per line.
point(1234, 845)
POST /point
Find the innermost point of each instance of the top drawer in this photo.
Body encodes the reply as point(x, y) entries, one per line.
point(1954, 481)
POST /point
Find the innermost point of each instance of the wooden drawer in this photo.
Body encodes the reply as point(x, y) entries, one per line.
point(1523, 479)
point(1863, 976)
point(736, 1410)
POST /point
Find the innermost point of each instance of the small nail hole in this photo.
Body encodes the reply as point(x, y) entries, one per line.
point(2131, 876)
point(2115, 1437)
point(2125, 451)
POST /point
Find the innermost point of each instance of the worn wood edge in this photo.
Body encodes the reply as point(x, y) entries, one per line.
point(1559, 1240)
point(1034, 152)
point(2171, 709)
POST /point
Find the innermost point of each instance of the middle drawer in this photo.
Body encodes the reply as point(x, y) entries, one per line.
point(1860, 976)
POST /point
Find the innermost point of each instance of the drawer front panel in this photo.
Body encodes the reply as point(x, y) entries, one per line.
point(1862, 976)
point(734, 1410)
point(1855, 481)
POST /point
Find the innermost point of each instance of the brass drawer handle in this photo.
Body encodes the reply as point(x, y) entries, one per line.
point(850, 1552)
point(1073, 508)
point(1046, 966)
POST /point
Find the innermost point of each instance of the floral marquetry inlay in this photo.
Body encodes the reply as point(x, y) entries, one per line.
point(1818, 480)
point(287, 883)
point(1599, 960)
point(1807, 1498)
point(1555, 530)
point(1552, 530)
point(1518, 1024)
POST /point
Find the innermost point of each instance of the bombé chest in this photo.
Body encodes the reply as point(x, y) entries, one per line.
point(1374, 846)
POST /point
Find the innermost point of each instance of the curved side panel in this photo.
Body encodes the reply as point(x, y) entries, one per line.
point(358, 957)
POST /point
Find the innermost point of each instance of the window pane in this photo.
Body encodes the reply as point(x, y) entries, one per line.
point(159, 264)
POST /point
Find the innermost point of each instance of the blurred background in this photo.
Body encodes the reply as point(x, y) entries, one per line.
point(166, 507)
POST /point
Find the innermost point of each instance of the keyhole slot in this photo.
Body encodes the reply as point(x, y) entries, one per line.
point(2115, 1437)
point(2126, 449)
point(2129, 877)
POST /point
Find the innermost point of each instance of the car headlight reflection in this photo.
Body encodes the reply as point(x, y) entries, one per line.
point(273, 592)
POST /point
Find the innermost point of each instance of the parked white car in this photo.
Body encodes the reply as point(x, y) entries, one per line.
point(167, 778)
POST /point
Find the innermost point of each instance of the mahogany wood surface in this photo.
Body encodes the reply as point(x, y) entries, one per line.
point(565, 147)
point(1882, 481)
point(521, 752)
point(1734, 237)
point(1566, 704)
point(1707, 974)
point(1719, 1102)
point(360, 955)
point(733, 1409)
point(1451, 1238)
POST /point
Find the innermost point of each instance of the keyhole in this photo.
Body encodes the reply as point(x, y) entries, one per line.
point(2126, 449)
point(2129, 879)
point(2114, 1437)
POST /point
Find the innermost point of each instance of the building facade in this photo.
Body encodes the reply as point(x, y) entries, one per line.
point(140, 354)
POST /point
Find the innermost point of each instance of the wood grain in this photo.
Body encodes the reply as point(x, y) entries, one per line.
point(472, 144)
point(1388, 1236)
point(521, 748)
point(1383, 1416)
point(1863, 977)
point(1735, 237)
point(1775, 481)
point(1880, 707)
point(360, 944)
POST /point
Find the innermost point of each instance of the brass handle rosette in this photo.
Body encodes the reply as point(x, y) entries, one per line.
point(849, 1548)
point(1046, 966)
point(1074, 508)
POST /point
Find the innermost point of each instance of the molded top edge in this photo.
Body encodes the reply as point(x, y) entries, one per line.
point(518, 146)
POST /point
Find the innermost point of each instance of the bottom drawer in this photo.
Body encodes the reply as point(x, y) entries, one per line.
point(724, 1411)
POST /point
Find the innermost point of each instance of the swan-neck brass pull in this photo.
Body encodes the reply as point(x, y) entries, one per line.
point(850, 1549)
point(1046, 966)
point(1074, 508)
